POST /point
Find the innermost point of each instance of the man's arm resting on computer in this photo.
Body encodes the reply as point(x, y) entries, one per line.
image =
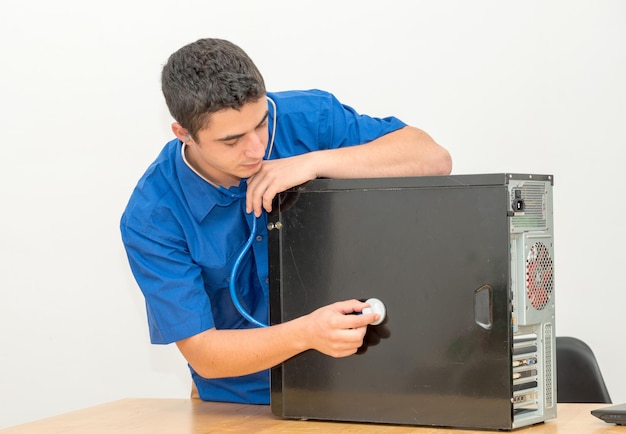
point(408, 151)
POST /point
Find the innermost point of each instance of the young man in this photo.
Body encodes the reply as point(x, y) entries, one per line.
point(236, 147)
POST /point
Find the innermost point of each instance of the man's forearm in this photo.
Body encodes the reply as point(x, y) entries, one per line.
point(405, 152)
point(230, 353)
point(330, 330)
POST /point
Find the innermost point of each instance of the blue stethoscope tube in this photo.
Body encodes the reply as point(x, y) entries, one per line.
point(246, 247)
point(233, 278)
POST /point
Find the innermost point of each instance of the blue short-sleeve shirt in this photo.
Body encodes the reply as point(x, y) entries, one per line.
point(182, 235)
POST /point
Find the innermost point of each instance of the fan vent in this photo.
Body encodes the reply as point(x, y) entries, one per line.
point(539, 276)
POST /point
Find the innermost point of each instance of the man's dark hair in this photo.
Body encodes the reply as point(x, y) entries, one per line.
point(207, 76)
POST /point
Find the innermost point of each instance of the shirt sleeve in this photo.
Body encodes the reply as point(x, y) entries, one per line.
point(314, 120)
point(346, 127)
point(176, 303)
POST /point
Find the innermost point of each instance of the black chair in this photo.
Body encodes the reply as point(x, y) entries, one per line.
point(578, 374)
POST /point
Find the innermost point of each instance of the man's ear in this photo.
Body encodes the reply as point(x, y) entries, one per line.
point(180, 132)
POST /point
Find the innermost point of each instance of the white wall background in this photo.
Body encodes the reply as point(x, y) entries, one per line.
point(521, 86)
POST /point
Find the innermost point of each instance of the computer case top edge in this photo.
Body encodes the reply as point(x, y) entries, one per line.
point(438, 181)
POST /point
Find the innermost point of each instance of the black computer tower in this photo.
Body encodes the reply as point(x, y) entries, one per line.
point(464, 265)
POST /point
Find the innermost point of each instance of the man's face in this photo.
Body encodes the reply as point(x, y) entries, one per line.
point(232, 144)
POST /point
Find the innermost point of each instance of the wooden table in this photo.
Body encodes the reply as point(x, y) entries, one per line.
point(192, 416)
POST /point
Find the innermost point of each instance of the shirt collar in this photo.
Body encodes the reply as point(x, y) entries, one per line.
point(201, 195)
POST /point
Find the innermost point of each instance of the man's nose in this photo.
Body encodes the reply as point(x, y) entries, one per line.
point(256, 147)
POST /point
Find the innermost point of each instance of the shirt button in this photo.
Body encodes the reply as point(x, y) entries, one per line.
point(259, 238)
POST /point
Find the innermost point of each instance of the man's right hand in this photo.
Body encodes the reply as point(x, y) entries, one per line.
point(338, 329)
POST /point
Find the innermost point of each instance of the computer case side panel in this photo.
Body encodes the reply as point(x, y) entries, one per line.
point(440, 253)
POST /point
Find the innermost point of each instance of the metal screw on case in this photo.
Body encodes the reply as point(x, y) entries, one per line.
point(277, 225)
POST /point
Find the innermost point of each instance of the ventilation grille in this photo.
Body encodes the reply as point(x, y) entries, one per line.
point(547, 365)
point(539, 276)
point(534, 215)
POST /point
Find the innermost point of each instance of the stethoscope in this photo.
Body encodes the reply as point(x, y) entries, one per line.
point(233, 274)
point(376, 305)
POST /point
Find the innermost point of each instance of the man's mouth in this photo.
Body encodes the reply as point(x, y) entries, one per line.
point(253, 165)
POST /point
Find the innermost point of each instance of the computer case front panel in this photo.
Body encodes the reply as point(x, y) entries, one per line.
point(438, 252)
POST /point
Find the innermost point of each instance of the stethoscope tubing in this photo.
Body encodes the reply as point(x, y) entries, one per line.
point(233, 274)
point(233, 277)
